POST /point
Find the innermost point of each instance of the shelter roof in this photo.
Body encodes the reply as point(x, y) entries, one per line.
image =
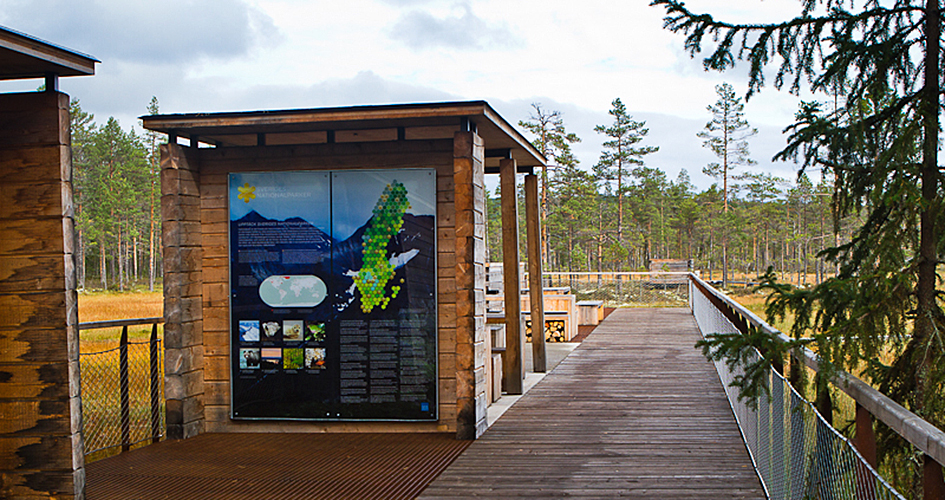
point(381, 122)
point(23, 56)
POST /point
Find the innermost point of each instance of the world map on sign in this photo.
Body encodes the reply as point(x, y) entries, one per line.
point(293, 291)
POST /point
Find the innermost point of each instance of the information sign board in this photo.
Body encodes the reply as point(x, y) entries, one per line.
point(333, 295)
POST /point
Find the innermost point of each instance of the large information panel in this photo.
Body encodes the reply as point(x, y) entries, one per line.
point(333, 295)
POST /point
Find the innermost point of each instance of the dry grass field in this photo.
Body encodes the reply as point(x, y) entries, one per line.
point(102, 306)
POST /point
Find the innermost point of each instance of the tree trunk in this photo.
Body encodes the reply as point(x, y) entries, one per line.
point(121, 262)
point(101, 270)
point(80, 259)
point(927, 311)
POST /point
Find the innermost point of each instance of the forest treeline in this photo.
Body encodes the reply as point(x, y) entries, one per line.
point(620, 213)
point(615, 215)
point(117, 198)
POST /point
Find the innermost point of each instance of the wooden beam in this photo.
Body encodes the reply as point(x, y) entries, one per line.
point(52, 82)
point(513, 369)
point(536, 295)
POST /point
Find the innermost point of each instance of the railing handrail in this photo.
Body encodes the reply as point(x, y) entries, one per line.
point(111, 323)
point(912, 428)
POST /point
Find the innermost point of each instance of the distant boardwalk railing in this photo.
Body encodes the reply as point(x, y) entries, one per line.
point(796, 452)
point(636, 289)
point(122, 390)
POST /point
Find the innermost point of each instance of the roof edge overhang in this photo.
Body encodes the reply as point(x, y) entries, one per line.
point(478, 113)
point(35, 58)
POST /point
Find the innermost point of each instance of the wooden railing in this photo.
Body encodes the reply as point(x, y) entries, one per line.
point(870, 403)
point(154, 374)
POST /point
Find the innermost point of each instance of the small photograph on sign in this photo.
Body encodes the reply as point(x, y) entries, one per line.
point(270, 330)
point(249, 359)
point(314, 331)
point(314, 358)
point(292, 358)
point(292, 330)
point(270, 358)
point(249, 330)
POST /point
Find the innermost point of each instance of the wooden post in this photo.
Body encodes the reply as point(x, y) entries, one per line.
point(865, 437)
point(155, 386)
point(183, 288)
point(513, 369)
point(823, 402)
point(42, 454)
point(124, 403)
point(536, 295)
point(470, 285)
point(933, 486)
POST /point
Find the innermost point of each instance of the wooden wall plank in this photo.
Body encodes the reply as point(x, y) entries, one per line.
point(34, 119)
point(33, 345)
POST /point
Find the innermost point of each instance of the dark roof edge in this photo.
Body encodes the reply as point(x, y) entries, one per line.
point(44, 58)
point(166, 123)
point(300, 111)
point(513, 132)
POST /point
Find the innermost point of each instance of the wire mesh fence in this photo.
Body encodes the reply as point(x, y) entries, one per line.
point(122, 394)
point(657, 289)
point(797, 454)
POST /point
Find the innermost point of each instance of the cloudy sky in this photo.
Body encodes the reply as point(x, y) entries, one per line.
point(574, 57)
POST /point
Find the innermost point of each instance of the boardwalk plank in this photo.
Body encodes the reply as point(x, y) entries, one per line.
point(635, 411)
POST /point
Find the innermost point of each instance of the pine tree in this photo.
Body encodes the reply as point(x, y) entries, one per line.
point(554, 142)
point(726, 135)
point(881, 148)
point(154, 192)
point(82, 128)
point(614, 164)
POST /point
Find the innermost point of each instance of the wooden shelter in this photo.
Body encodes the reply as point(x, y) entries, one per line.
point(41, 447)
point(458, 143)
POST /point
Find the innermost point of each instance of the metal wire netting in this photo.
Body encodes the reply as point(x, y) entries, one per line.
point(625, 289)
point(796, 453)
point(101, 375)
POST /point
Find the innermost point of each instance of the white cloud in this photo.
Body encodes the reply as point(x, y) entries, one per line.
point(118, 30)
point(576, 57)
point(420, 29)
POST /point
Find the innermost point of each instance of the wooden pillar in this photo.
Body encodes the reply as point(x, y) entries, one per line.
point(933, 486)
point(865, 438)
point(536, 294)
point(183, 284)
point(41, 449)
point(470, 220)
point(513, 369)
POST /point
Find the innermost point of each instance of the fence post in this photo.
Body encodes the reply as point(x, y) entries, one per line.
point(824, 451)
point(155, 388)
point(123, 385)
point(865, 437)
point(933, 487)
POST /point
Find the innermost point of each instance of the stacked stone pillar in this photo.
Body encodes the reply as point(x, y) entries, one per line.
point(183, 293)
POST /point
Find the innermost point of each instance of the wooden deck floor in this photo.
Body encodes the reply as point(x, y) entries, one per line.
point(634, 412)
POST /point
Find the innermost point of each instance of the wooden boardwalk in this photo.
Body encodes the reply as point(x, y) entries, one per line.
point(634, 412)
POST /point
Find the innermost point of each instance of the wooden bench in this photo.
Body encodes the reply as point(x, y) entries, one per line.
point(590, 312)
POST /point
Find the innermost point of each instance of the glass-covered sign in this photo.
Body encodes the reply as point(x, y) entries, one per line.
point(333, 295)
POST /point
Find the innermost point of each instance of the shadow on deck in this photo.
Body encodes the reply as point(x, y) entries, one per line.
point(634, 411)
